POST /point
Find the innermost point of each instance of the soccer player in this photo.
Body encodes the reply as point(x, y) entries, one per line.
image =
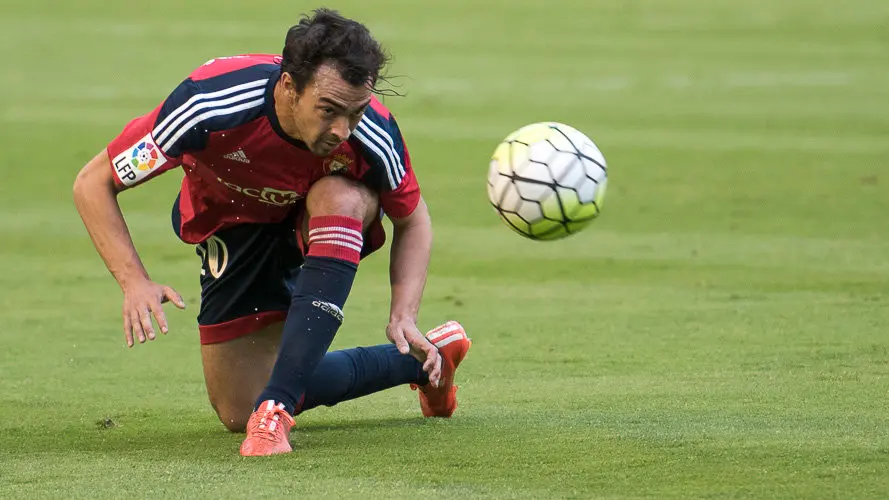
point(289, 162)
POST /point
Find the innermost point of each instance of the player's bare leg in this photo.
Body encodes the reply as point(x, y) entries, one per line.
point(236, 372)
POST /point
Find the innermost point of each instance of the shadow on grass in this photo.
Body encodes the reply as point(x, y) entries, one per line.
point(159, 437)
point(364, 424)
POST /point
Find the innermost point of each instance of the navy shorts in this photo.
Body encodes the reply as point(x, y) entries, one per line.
point(248, 272)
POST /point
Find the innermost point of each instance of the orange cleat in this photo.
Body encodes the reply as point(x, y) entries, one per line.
point(268, 431)
point(453, 344)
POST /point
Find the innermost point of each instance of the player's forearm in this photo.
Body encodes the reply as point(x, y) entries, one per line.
point(411, 248)
point(95, 197)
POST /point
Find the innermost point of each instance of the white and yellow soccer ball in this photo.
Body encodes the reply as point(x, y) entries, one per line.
point(547, 181)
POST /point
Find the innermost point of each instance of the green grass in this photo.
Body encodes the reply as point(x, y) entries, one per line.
point(719, 332)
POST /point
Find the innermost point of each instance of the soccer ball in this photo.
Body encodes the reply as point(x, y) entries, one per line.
point(547, 181)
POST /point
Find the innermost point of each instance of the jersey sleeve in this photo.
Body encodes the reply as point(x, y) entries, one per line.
point(154, 143)
point(389, 163)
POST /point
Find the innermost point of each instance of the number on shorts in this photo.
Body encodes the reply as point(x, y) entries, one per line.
point(215, 254)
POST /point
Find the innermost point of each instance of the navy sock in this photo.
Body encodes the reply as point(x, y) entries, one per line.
point(314, 316)
point(353, 373)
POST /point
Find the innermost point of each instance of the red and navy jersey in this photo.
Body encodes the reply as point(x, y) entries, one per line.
point(240, 167)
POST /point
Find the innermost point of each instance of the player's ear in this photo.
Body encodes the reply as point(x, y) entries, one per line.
point(289, 85)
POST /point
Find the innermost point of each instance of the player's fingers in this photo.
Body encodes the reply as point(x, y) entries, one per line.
point(432, 366)
point(128, 329)
point(397, 338)
point(138, 333)
point(158, 311)
point(402, 346)
point(436, 372)
point(145, 320)
point(419, 347)
point(174, 297)
point(430, 354)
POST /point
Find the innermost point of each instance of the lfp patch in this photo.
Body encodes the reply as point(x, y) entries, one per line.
point(138, 161)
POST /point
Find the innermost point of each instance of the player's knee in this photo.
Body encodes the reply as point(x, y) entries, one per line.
point(234, 419)
point(338, 195)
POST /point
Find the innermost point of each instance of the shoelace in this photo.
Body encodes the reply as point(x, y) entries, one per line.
point(264, 429)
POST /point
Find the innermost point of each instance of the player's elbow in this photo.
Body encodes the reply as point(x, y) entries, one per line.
point(85, 188)
point(81, 187)
point(81, 184)
point(92, 178)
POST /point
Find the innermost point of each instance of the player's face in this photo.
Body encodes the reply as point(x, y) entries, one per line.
point(328, 110)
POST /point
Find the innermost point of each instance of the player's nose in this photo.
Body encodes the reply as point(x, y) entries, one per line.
point(341, 129)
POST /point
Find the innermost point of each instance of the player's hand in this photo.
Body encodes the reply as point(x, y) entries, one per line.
point(408, 339)
point(142, 299)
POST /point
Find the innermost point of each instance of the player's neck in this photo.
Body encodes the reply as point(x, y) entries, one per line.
point(285, 113)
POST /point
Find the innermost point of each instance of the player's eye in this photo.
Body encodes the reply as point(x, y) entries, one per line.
point(328, 111)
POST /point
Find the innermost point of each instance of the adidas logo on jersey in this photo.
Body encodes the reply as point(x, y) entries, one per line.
point(237, 156)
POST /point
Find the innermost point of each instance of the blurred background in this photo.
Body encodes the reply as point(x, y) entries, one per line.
point(719, 331)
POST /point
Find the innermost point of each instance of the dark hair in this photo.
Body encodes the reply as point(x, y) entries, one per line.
point(328, 37)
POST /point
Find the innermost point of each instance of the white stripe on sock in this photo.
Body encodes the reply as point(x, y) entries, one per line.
point(335, 242)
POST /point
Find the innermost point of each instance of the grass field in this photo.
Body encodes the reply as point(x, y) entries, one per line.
point(722, 331)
